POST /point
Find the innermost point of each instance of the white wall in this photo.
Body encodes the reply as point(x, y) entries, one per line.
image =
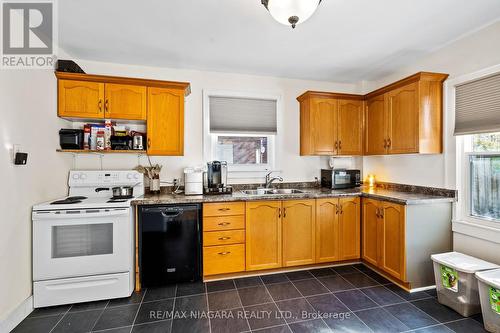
point(28, 117)
point(473, 52)
point(293, 166)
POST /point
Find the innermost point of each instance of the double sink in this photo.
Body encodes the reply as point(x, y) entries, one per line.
point(267, 191)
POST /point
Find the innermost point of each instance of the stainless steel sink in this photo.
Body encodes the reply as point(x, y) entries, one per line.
point(267, 191)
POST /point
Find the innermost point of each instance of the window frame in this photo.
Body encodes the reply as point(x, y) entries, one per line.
point(464, 152)
point(242, 171)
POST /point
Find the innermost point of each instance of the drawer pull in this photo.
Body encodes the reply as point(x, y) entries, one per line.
point(224, 238)
point(223, 224)
point(224, 209)
point(224, 253)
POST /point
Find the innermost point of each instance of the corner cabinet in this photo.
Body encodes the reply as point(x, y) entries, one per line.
point(405, 117)
point(86, 97)
point(399, 239)
point(331, 124)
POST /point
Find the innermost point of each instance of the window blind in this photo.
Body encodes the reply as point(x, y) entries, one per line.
point(477, 106)
point(230, 114)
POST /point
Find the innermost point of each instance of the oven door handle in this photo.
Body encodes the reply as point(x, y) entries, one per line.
point(82, 213)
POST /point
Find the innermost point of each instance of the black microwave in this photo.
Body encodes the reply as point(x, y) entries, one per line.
point(340, 178)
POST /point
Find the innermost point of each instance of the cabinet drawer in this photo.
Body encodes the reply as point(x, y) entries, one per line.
point(224, 208)
point(223, 223)
point(223, 237)
point(223, 259)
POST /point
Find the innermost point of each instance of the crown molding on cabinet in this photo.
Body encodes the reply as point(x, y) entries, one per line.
point(125, 80)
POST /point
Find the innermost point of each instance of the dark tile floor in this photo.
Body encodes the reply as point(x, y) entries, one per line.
point(340, 299)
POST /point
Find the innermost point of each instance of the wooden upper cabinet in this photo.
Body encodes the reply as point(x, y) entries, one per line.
point(123, 101)
point(370, 224)
point(331, 124)
point(263, 235)
point(350, 127)
point(412, 112)
point(327, 230)
point(402, 120)
point(392, 237)
point(375, 126)
point(324, 129)
point(349, 228)
point(298, 232)
point(80, 99)
point(165, 121)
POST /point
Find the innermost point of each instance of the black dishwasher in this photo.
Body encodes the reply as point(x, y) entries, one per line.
point(169, 244)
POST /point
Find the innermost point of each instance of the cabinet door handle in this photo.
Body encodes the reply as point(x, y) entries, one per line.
point(149, 143)
point(336, 209)
point(377, 212)
point(279, 212)
point(336, 145)
point(341, 211)
point(389, 143)
point(106, 105)
point(385, 143)
point(99, 105)
point(224, 209)
point(224, 238)
point(340, 144)
point(284, 212)
point(223, 224)
point(224, 253)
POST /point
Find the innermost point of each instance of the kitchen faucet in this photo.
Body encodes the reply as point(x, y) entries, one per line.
point(270, 180)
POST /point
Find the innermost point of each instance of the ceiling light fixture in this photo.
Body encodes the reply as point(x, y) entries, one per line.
point(291, 12)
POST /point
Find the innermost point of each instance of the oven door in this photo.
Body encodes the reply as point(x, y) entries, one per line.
point(81, 243)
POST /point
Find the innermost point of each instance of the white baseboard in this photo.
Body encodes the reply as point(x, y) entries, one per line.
point(13, 319)
point(422, 289)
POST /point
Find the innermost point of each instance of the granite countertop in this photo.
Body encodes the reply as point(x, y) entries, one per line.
point(399, 197)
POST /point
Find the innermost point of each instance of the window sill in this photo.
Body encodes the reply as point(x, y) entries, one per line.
point(491, 234)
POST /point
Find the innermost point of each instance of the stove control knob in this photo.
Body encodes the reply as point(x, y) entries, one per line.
point(136, 176)
point(76, 176)
point(83, 176)
point(129, 176)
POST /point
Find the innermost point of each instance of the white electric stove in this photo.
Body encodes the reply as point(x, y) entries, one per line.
point(84, 244)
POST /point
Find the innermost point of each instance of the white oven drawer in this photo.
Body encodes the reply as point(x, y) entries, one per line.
point(82, 289)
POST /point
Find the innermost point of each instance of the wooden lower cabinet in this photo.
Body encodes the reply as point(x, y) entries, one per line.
point(299, 218)
point(392, 257)
point(349, 228)
point(337, 229)
point(263, 235)
point(223, 238)
point(384, 236)
point(327, 230)
point(223, 259)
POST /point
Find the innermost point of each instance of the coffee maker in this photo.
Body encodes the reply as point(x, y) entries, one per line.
point(216, 178)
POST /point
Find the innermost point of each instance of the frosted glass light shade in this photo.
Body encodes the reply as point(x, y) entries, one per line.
point(291, 12)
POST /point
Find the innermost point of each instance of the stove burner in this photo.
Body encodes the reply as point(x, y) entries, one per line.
point(77, 197)
point(65, 202)
point(121, 198)
point(116, 200)
point(69, 200)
